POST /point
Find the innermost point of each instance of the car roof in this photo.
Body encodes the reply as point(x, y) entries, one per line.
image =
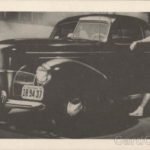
point(143, 17)
point(97, 18)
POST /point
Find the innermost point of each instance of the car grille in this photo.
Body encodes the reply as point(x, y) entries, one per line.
point(22, 78)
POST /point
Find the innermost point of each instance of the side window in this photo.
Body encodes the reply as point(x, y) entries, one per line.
point(147, 31)
point(63, 30)
point(126, 31)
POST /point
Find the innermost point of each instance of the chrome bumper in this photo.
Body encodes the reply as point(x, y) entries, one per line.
point(11, 103)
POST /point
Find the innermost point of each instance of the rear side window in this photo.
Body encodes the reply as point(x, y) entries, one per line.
point(126, 30)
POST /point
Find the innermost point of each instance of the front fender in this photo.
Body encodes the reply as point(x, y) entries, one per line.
point(70, 77)
point(71, 70)
point(58, 62)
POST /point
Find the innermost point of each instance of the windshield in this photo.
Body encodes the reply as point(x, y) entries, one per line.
point(97, 31)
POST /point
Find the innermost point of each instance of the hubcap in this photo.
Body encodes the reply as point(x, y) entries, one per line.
point(74, 107)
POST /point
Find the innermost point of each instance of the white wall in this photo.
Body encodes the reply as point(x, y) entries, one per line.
point(17, 30)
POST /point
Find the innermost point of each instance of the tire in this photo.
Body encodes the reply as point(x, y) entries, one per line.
point(65, 115)
point(75, 124)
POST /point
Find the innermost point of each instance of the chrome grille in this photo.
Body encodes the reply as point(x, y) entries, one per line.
point(22, 78)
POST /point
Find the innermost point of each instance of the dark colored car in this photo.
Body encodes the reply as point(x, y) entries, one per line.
point(83, 69)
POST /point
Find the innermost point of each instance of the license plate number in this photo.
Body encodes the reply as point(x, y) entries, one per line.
point(32, 92)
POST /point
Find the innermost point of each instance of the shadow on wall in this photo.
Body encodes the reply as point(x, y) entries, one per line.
point(10, 30)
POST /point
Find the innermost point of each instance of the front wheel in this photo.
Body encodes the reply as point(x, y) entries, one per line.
point(75, 115)
point(69, 111)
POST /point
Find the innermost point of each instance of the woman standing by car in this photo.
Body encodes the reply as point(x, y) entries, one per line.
point(146, 98)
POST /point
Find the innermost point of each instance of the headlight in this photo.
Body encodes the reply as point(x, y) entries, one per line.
point(42, 75)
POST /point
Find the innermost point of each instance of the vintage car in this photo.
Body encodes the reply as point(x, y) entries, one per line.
point(83, 69)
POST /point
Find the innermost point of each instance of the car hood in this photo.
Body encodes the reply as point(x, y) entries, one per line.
point(48, 45)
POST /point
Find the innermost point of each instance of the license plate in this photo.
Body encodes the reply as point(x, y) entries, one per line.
point(32, 92)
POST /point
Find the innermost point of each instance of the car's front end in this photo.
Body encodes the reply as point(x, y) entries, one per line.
point(24, 93)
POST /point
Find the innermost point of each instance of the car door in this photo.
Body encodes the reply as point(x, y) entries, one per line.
point(126, 65)
point(142, 70)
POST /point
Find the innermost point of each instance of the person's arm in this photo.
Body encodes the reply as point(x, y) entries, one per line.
point(134, 44)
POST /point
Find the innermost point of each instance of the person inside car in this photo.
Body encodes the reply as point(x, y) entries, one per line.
point(82, 33)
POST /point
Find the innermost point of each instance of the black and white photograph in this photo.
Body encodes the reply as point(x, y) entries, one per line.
point(74, 75)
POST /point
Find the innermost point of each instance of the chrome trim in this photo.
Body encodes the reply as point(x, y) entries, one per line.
point(7, 70)
point(28, 52)
point(4, 45)
point(56, 57)
point(21, 82)
point(11, 103)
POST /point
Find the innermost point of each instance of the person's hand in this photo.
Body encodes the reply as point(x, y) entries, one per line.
point(133, 45)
